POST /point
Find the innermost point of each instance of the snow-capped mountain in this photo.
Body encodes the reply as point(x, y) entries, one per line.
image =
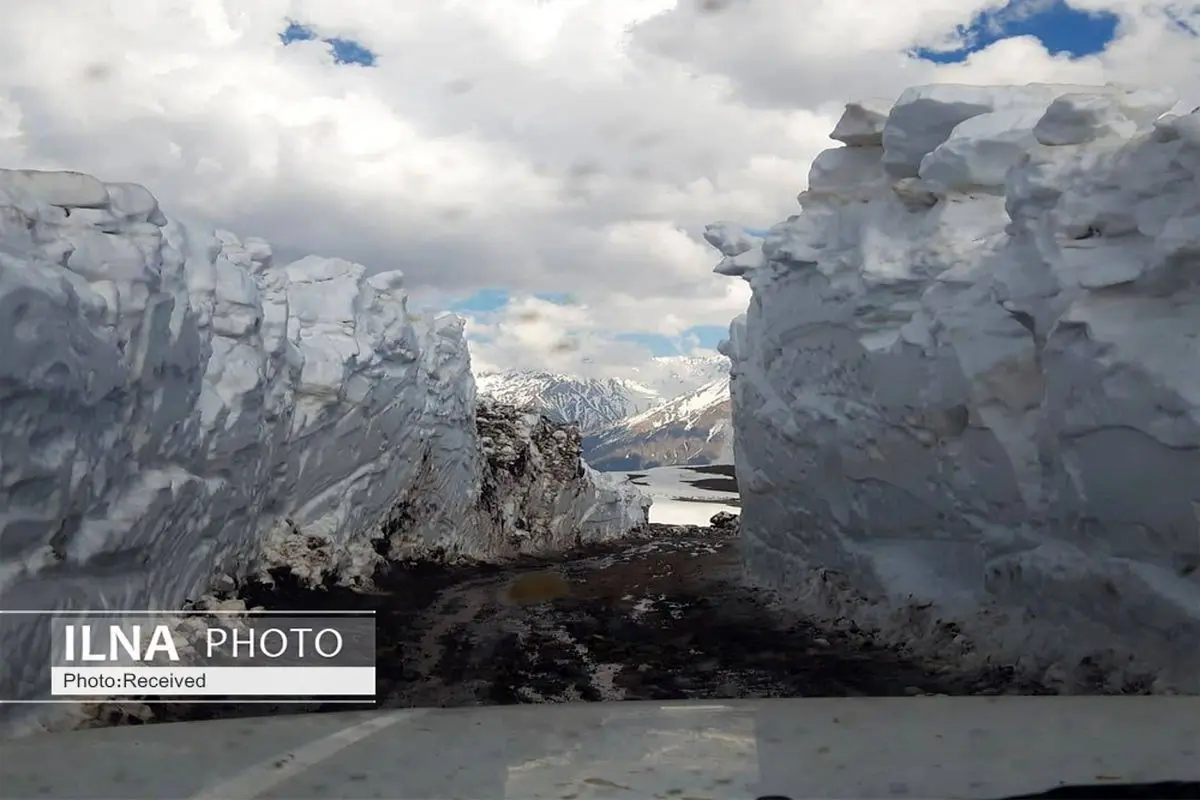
point(597, 404)
point(675, 410)
point(674, 376)
point(694, 428)
point(593, 404)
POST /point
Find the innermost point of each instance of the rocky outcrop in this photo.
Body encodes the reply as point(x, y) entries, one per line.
point(965, 393)
point(539, 495)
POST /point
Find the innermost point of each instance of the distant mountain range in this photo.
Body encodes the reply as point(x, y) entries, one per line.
point(589, 403)
point(676, 411)
point(692, 429)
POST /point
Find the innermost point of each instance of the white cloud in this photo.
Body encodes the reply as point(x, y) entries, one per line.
point(532, 333)
point(538, 145)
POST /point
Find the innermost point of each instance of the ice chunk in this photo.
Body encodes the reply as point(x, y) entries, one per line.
point(1079, 117)
point(861, 124)
point(731, 239)
point(925, 116)
point(981, 150)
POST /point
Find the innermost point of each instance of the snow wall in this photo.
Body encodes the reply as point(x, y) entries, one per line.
point(174, 406)
point(966, 393)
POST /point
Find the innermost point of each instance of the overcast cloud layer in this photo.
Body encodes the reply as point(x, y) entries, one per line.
point(536, 145)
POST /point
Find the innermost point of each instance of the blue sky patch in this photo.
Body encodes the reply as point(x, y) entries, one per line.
point(481, 302)
point(706, 336)
point(345, 51)
point(558, 298)
point(1060, 28)
point(486, 300)
point(484, 303)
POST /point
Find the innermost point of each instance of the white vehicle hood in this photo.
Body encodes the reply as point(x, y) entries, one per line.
point(928, 747)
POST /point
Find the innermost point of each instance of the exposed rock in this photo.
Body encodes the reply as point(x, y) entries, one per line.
point(724, 520)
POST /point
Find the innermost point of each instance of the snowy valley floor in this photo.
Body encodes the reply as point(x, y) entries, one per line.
point(661, 616)
point(688, 495)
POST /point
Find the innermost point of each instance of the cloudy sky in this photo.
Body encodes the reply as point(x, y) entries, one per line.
point(542, 166)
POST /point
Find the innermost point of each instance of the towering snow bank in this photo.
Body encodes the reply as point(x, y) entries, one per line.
point(967, 388)
point(174, 405)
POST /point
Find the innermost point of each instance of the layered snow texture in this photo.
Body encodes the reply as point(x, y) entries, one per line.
point(176, 405)
point(967, 388)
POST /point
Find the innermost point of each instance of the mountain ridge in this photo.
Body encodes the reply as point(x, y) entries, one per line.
point(591, 403)
point(674, 411)
point(693, 429)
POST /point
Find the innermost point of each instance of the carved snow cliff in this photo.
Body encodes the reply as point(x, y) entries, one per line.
point(175, 405)
point(967, 388)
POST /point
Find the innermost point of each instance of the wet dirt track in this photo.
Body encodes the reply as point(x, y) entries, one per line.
point(662, 619)
point(661, 616)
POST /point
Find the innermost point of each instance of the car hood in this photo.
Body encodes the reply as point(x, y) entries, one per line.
point(923, 747)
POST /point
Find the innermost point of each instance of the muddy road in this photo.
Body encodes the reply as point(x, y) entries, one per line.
point(663, 615)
